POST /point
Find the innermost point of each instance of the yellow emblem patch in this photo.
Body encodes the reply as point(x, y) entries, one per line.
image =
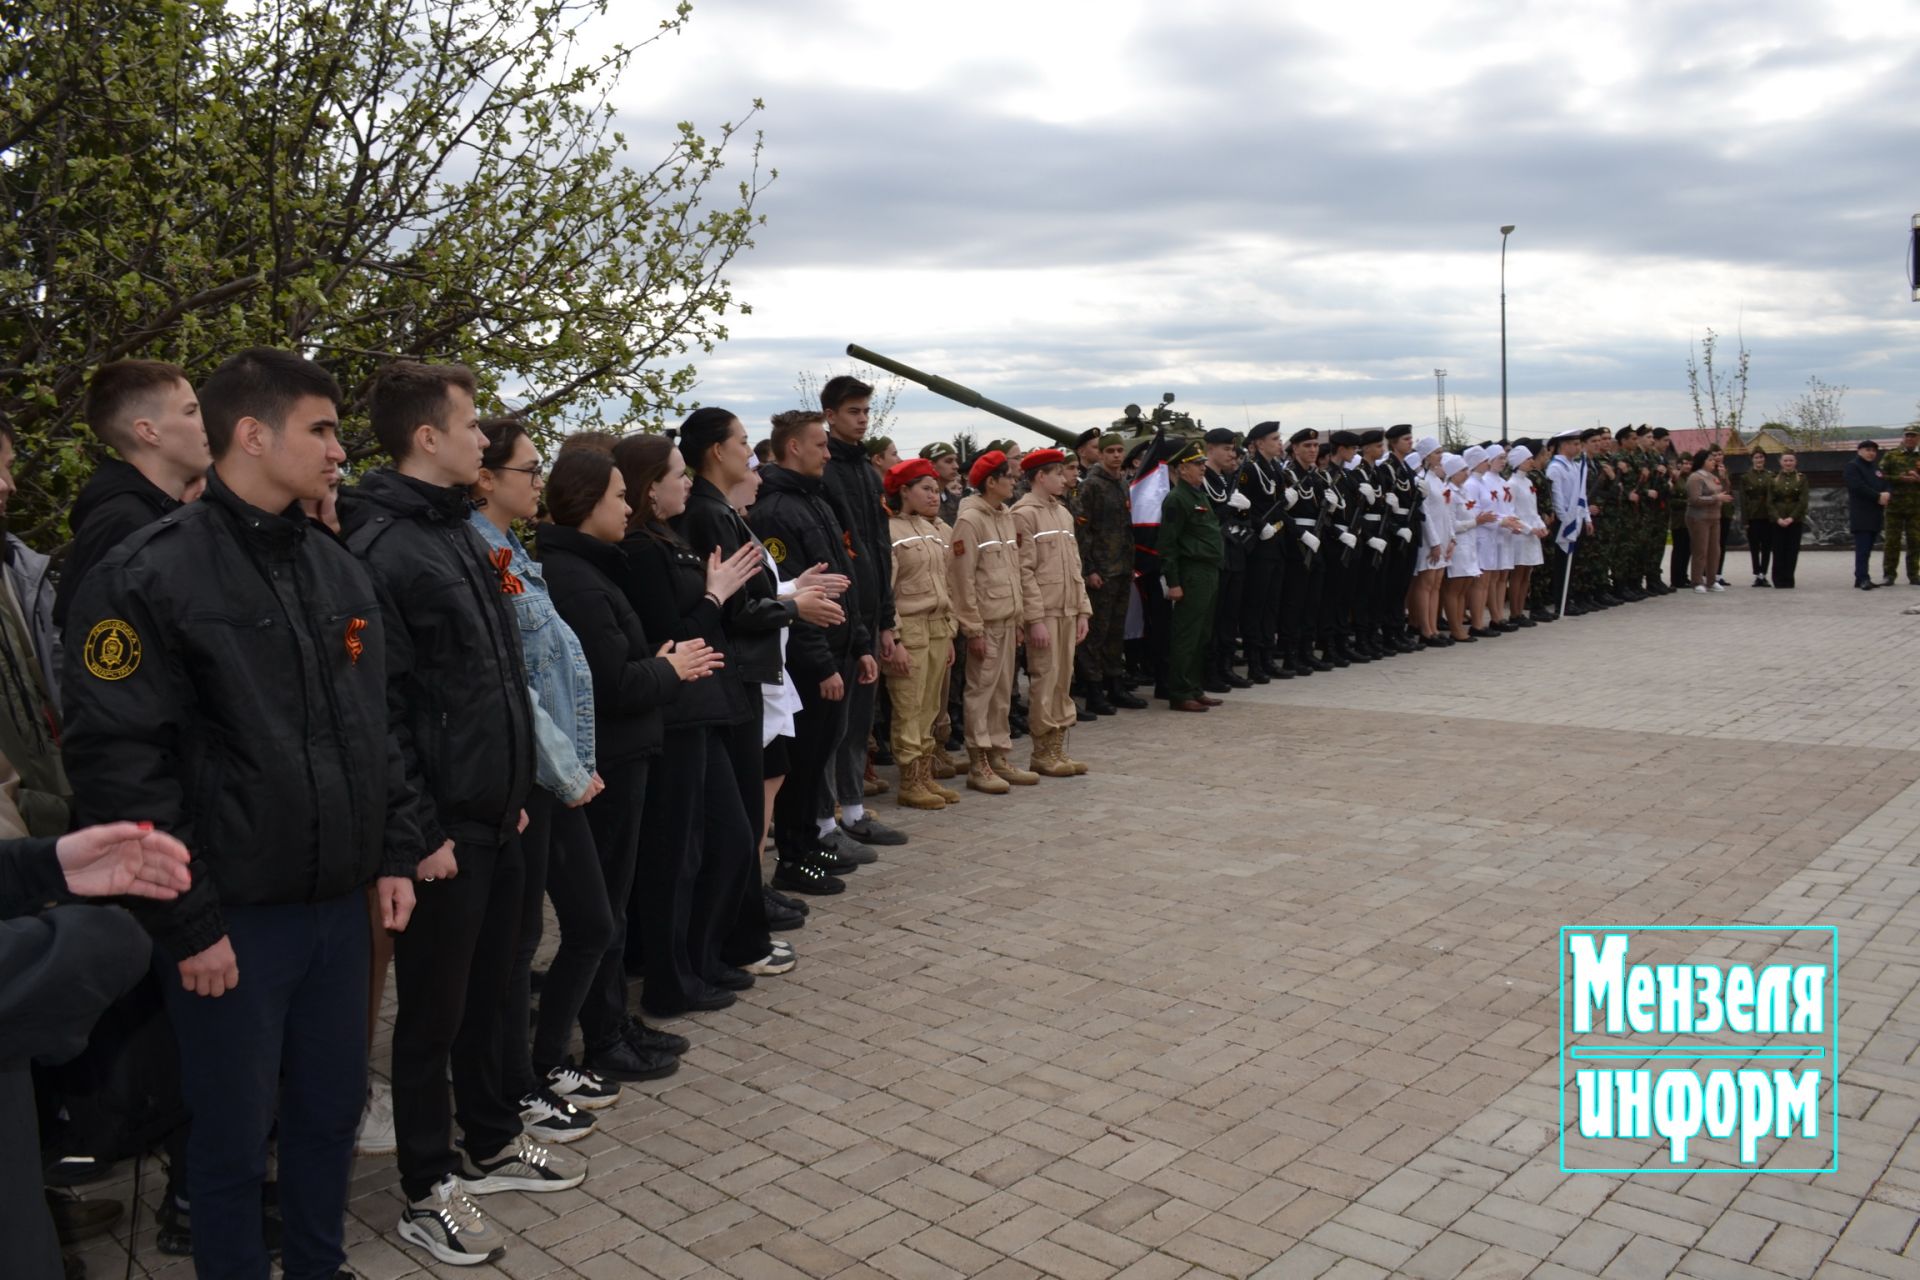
point(112, 650)
point(777, 549)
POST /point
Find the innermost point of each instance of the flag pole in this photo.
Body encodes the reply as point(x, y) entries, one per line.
point(1566, 579)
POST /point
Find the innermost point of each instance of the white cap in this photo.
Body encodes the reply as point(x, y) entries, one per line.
point(1453, 464)
point(1415, 457)
point(1518, 455)
point(1474, 455)
point(1426, 445)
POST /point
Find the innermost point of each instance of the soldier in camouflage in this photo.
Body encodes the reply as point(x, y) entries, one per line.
point(1900, 467)
point(1103, 525)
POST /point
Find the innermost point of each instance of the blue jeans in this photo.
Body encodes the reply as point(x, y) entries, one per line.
point(290, 1039)
point(1863, 555)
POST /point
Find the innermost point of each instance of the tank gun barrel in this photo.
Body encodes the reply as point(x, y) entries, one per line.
point(963, 395)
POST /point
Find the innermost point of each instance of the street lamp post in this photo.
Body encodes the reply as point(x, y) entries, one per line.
point(1504, 233)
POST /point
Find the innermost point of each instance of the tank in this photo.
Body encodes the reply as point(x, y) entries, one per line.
point(965, 395)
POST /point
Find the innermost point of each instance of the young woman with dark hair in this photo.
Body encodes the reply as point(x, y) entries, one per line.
point(694, 859)
point(557, 844)
point(633, 681)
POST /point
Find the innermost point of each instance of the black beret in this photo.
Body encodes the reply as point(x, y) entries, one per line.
point(1305, 435)
point(1623, 433)
point(1399, 429)
point(1591, 432)
point(1343, 440)
point(1372, 435)
point(1220, 435)
point(1086, 437)
point(1134, 453)
point(1261, 430)
point(1660, 433)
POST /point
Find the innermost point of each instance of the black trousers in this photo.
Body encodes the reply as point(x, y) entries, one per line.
point(1390, 588)
point(1786, 552)
point(1760, 545)
point(1301, 586)
point(692, 868)
point(747, 939)
point(451, 969)
point(1680, 564)
point(1332, 619)
point(1260, 604)
point(816, 730)
point(1726, 527)
point(562, 864)
point(1226, 617)
point(614, 818)
point(1156, 616)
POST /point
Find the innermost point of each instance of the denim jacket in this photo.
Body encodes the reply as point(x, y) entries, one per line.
point(557, 673)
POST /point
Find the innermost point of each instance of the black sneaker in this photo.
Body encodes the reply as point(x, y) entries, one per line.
point(551, 1118)
point(624, 1061)
point(783, 902)
point(175, 1237)
point(732, 979)
point(641, 1036)
point(783, 921)
point(705, 1000)
point(870, 830)
point(583, 1088)
point(806, 877)
point(828, 859)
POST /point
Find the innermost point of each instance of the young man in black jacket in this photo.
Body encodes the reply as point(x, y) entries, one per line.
point(855, 488)
point(149, 414)
point(1868, 495)
point(227, 683)
point(463, 718)
point(802, 527)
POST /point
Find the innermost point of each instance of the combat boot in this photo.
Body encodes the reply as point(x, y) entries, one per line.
point(980, 774)
point(947, 794)
point(943, 766)
point(1009, 771)
point(914, 792)
point(1047, 760)
point(1097, 700)
point(1120, 696)
point(1060, 752)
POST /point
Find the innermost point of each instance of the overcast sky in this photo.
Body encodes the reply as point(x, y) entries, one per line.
point(1292, 211)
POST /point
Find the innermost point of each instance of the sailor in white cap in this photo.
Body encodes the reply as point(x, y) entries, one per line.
point(1527, 538)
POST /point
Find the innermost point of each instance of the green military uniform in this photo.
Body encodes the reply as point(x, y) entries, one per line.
point(1903, 511)
point(1192, 552)
point(1682, 563)
point(1756, 504)
point(1787, 495)
point(1542, 597)
point(1103, 526)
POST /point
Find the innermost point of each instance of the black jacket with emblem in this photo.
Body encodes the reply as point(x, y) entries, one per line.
point(756, 613)
point(115, 502)
point(227, 681)
point(856, 489)
point(802, 527)
point(455, 677)
point(667, 587)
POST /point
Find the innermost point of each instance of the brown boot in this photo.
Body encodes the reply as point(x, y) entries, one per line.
point(1046, 759)
point(1060, 752)
point(871, 783)
point(980, 774)
point(913, 793)
point(997, 757)
point(926, 779)
point(943, 766)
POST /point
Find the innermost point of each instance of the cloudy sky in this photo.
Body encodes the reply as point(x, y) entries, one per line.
point(1292, 210)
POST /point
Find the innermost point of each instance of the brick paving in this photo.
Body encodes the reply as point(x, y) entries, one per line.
point(1271, 992)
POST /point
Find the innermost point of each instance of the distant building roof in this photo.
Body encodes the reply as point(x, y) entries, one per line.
point(1694, 439)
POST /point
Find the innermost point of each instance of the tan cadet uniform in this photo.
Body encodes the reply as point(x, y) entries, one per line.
point(984, 578)
point(923, 610)
point(1054, 596)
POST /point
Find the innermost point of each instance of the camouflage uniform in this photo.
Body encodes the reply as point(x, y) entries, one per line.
point(1103, 525)
point(1541, 600)
point(1903, 513)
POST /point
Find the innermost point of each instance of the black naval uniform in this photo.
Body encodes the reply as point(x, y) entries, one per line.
point(1235, 533)
point(1260, 480)
point(1402, 552)
point(1304, 580)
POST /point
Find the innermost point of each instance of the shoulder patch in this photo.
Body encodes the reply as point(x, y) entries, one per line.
point(959, 546)
point(777, 549)
point(112, 651)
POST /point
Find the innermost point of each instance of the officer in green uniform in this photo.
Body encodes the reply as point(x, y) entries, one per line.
point(1756, 508)
point(1900, 467)
point(1191, 555)
point(1787, 507)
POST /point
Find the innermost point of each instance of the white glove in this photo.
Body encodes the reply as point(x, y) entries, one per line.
point(1378, 544)
point(1393, 503)
point(1238, 501)
point(1368, 492)
point(1268, 530)
point(1348, 538)
point(1293, 495)
point(1313, 543)
point(1163, 584)
point(1405, 535)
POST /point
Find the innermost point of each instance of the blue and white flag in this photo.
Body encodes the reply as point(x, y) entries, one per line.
point(1571, 526)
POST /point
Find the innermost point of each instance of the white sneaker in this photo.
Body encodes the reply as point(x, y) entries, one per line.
point(1719, 586)
point(774, 962)
point(376, 1123)
point(551, 1118)
point(585, 1089)
point(1701, 590)
point(450, 1226)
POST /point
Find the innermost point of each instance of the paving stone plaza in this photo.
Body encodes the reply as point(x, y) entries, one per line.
point(1272, 991)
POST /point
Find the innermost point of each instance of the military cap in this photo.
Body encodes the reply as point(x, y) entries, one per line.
point(937, 450)
point(1219, 435)
point(1086, 437)
point(1563, 437)
point(1041, 458)
point(1261, 430)
point(1660, 433)
point(1642, 430)
point(1305, 435)
point(1912, 429)
point(1372, 435)
point(1003, 446)
point(1624, 433)
point(877, 445)
point(985, 465)
point(1139, 448)
point(1111, 439)
point(1343, 440)
point(902, 474)
point(1399, 429)
point(1869, 444)
point(1591, 432)
point(1187, 452)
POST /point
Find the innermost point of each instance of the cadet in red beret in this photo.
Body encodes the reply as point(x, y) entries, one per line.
point(922, 606)
point(983, 578)
point(1054, 609)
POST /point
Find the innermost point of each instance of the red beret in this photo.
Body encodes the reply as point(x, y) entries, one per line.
point(1040, 458)
point(902, 474)
point(985, 465)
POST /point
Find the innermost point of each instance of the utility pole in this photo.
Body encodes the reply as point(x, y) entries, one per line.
point(1440, 400)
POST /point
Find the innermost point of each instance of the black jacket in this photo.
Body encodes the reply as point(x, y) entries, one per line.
point(1236, 530)
point(801, 527)
point(455, 677)
point(1864, 487)
point(630, 685)
point(667, 585)
point(227, 681)
point(114, 503)
point(755, 614)
point(855, 486)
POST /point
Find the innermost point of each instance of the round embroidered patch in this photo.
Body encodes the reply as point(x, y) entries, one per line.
point(112, 651)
